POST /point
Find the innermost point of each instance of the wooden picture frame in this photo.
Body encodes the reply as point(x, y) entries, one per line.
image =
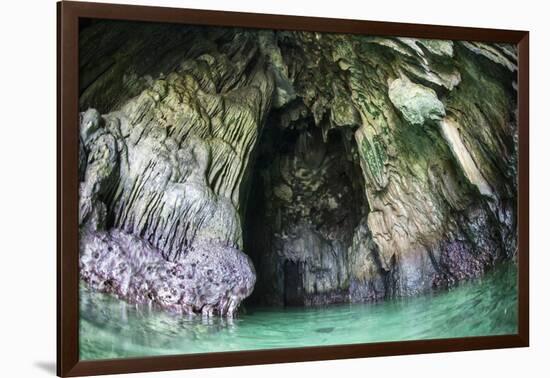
point(69, 13)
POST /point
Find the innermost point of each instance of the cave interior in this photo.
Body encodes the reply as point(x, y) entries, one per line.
point(290, 168)
point(305, 201)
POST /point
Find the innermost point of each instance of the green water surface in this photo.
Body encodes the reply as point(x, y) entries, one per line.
point(111, 328)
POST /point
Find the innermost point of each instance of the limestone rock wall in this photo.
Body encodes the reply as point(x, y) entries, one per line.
point(432, 124)
point(168, 165)
point(378, 166)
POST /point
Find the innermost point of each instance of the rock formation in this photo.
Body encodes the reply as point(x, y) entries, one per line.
point(304, 168)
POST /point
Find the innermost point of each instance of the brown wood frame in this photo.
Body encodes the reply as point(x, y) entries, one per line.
point(68, 14)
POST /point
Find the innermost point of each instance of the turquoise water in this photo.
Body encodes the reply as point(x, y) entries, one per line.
point(110, 328)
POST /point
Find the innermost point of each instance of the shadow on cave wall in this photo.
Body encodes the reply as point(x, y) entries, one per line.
point(304, 203)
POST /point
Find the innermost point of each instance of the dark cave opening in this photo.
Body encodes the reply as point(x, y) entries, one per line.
point(293, 283)
point(305, 201)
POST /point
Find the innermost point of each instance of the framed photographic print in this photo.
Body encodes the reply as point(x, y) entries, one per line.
point(240, 188)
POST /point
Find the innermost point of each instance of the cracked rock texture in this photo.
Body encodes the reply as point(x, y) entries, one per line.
point(295, 167)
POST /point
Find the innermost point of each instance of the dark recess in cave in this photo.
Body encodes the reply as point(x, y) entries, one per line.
point(327, 184)
point(293, 288)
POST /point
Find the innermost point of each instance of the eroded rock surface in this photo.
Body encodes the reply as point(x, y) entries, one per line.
point(208, 279)
point(349, 168)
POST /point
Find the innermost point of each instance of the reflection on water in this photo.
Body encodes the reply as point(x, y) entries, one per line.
point(110, 328)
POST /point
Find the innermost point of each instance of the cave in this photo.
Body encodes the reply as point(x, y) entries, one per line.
point(319, 186)
point(283, 168)
point(304, 205)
